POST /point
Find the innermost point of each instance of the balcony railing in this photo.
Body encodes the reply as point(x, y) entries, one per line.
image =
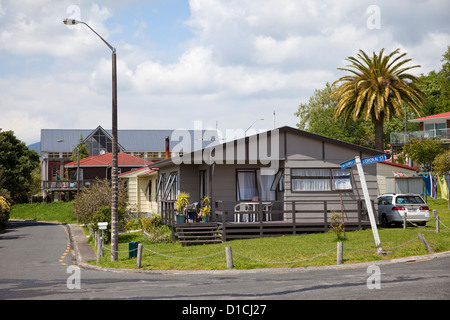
point(400, 138)
point(66, 185)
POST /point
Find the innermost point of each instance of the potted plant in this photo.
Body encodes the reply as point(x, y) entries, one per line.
point(180, 206)
point(205, 211)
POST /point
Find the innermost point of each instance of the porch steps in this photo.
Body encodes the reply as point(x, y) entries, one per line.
point(198, 233)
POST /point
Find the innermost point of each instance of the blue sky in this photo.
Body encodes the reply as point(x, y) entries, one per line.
point(223, 63)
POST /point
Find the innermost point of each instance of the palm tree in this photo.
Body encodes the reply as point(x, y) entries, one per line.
point(378, 88)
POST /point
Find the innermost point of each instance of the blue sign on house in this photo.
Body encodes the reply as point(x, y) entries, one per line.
point(370, 160)
point(374, 159)
point(348, 163)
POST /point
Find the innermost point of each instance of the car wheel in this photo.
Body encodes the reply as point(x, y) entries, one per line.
point(384, 222)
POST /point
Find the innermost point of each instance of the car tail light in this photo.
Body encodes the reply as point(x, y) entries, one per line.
point(424, 208)
point(398, 208)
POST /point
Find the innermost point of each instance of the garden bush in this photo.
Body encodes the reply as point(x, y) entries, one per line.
point(98, 195)
point(104, 215)
point(5, 210)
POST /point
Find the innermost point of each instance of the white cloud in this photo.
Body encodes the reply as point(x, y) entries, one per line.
point(246, 59)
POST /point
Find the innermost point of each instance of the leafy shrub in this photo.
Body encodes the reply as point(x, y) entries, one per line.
point(337, 225)
point(5, 209)
point(98, 195)
point(155, 231)
point(104, 215)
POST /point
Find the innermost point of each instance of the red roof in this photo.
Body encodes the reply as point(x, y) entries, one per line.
point(445, 115)
point(105, 160)
point(399, 165)
point(139, 171)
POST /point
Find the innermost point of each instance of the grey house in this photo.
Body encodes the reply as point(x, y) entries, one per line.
point(284, 177)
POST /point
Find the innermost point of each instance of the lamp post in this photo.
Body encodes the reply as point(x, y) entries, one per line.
point(252, 126)
point(114, 173)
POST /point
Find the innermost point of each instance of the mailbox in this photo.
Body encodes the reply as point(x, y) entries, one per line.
point(102, 225)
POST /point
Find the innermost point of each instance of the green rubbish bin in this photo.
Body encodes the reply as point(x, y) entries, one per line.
point(132, 249)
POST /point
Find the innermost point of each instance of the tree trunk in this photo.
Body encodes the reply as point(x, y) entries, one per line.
point(379, 134)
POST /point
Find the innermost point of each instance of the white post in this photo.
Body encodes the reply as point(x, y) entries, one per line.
point(340, 253)
point(373, 223)
point(229, 256)
point(139, 256)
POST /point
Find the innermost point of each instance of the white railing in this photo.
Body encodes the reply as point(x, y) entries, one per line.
point(400, 138)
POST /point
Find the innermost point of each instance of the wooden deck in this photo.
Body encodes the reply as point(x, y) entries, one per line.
point(285, 221)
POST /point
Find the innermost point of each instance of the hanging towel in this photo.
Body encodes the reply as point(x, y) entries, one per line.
point(443, 186)
point(427, 184)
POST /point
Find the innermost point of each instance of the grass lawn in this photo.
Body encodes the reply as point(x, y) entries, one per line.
point(54, 212)
point(288, 251)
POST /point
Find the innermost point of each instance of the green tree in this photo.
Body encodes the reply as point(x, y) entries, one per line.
point(98, 195)
point(81, 146)
point(316, 116)
point(436, 86)
point(17, 163)
point(423, 151)
point(441, 163)
point(377, 90)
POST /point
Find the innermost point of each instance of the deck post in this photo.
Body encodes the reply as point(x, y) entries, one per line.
point(229, 256)
point(261, 217)
point(224, 225)
point(359, 203)
point(325, 217)
point(294, 227)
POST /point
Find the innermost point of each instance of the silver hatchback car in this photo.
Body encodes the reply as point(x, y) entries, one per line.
point(392, 208)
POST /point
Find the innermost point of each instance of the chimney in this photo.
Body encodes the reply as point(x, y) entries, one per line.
point(167, 147)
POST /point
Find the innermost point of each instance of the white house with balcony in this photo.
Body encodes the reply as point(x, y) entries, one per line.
point(435, 126)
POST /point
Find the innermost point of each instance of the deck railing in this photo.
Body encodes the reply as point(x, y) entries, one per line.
point(269, 217)
point(401, 138)
point(69, 185)
point(292, 211)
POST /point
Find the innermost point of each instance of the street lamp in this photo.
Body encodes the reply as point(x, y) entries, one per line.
point(115, 170)
point(252, 126)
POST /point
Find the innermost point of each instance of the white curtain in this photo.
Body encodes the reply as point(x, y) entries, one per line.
point(265, 183)
point(246, 186)
point(342, 179)
point(311, 185)
point(315, 183)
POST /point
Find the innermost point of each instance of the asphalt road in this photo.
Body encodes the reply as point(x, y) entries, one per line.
point(36, 263)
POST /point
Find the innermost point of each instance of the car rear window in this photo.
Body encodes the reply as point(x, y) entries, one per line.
point(409, 200)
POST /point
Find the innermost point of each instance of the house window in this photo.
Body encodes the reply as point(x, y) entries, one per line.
point(160, 186)
point(433, 130)
point(342, 179)
point(98, 144)
point(148, 191)
point(246, 185)
point(251, 185)
point(320, 180)
point(171, 187)
point(153, 155)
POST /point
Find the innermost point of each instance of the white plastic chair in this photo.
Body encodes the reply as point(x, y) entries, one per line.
point(241, 207)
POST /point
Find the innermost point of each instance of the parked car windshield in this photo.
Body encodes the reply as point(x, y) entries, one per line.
point(409, 200)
